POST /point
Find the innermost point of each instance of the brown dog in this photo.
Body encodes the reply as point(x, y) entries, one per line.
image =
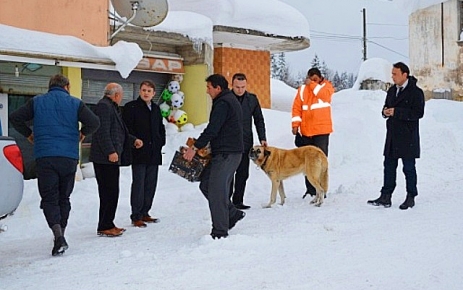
point(280, 164)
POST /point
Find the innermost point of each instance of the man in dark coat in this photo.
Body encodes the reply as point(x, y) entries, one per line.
point(105, 153)
point(403, 108)
point(225, 134)
point(144, 120)
point(251, 110)
point(56, 137)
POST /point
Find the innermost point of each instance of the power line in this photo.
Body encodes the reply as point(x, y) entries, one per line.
point(387, 48)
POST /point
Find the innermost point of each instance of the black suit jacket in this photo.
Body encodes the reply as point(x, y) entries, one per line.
point(146, 125)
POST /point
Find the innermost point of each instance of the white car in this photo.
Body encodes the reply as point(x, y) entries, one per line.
point(12, 180)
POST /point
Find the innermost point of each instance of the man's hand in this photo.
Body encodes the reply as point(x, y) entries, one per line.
point(189, 154)
point(263, 143)
point(31, 138)
point(82, 137)
point(138, 143)
point(388, 112)
point(295, 130)
point(113, 157)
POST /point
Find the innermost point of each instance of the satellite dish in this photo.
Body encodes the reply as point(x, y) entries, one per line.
point(145, 13)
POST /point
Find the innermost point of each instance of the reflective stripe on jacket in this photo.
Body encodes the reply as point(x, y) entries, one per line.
point(312, 109)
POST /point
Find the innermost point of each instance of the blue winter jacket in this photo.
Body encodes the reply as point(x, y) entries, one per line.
point(56, 127)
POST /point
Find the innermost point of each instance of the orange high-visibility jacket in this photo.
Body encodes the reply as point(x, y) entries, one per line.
point(312, 109)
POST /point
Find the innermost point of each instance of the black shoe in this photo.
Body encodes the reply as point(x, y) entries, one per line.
point(241, 206)
point(409, 202)
point(238, 216)
point(218, 236)
point(60, 246)
point(309, 193)
point(383, 200)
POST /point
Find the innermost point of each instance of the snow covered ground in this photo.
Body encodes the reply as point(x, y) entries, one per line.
point(344, 244)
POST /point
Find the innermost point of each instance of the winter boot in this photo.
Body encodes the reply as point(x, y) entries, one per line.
point(409, 202)
point(384, 199)
point(59, 246)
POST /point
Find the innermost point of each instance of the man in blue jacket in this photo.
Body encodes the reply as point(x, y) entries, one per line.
point(403, 108)
point(56, 138)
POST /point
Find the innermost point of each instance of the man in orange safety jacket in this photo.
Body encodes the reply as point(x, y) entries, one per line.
point(311, 115)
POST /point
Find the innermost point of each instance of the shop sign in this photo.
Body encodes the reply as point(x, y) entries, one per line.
point(164, 65)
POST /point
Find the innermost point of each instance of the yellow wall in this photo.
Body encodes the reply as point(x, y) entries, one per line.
point(197, 101)
point(74, 74)
point(87, 20)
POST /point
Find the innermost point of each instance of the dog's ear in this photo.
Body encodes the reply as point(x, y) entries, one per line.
point(266, 153)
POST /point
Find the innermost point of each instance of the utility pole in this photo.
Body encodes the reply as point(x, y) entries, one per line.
point(364, 11)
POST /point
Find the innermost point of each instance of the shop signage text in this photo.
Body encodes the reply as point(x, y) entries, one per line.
point(161, 65)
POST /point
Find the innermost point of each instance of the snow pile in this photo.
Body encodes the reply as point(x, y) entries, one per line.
point(374, 69)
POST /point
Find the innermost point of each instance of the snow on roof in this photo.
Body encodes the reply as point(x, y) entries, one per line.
point(374, 69)
point(268, 16)
point(125, 55)
point(196, 27)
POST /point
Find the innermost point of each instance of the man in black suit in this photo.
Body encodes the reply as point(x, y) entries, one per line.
point(105, 153)
point(251, 111)
point(144, 120)
point(403, 109)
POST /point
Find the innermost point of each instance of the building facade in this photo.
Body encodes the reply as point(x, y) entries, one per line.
point(436, 49)
point(165, 54)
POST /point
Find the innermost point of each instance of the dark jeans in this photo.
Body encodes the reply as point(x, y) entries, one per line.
point(144, 182)
point(215, 186)
point(239, 182)
point(107, 177)
point(320, 141)
point(390, 175)
point(56, 176)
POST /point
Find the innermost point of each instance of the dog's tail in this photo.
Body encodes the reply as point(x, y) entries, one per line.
point(325, 179)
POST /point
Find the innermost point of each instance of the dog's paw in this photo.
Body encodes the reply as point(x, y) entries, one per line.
point(267, 206)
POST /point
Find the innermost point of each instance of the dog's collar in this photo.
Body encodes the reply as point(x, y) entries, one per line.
point(265, 162)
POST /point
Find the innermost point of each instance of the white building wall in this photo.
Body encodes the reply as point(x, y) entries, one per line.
point(436, 65)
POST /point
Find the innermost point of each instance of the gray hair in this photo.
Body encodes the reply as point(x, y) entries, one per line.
point(111, 91)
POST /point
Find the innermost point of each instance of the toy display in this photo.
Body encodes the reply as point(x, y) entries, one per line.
point(172, 100)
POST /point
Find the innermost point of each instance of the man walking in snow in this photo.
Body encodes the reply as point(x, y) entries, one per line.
point(56, 137)
point(225, 134)
point(403, 108)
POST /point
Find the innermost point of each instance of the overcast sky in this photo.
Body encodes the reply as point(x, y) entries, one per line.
point(336, 29)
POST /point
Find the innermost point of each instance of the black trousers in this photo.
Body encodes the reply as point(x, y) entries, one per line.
point(107, 177)
point(144, 182)
point(238, 184)
point(390, 174)
point(320, 141)
point(56, 177)
point(215, 186)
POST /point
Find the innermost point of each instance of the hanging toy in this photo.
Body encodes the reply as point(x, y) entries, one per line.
point(177, 100)
point(180, 117)
point(173, 86)
point(166, 95)
point(165, 109)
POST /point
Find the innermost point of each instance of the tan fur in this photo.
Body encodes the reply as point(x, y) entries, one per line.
point(280, 164)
